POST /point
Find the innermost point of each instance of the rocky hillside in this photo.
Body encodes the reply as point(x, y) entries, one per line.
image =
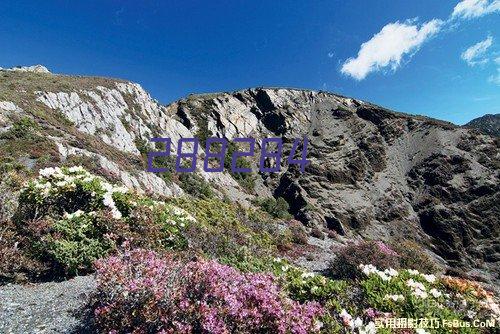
point(487, 124)
point(374, 173)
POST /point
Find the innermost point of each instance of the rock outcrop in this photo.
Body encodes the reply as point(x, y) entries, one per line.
point(374, 173)
point(34, 68)
point(488, 124)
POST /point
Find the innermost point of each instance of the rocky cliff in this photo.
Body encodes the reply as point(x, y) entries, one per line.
point(488, 124)
point(374, 173)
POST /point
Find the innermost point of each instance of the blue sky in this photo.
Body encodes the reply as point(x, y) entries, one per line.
point(414, 59)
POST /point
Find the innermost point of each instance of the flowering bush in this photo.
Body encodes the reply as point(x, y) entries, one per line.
point(409, 293)
point(72, 218)
point(304, 286)
point(348, 258)
point(352, 306)
point(65, 190)
point(143, 292)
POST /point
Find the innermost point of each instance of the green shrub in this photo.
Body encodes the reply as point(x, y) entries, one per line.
point(101, 218)
point(302, 285)
point(278, 208)
point(169, 164)
point(298, 232)
point(143, 146)
point(195, 185)
point(348, 258)
point(23, 128)
point(77, 241)
point(229, 232)
point(413, 256)
point(411, 294)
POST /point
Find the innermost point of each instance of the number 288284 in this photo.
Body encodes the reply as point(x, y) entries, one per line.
point(216, 152)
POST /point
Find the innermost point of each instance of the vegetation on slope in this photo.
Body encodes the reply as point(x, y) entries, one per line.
point(190, 265)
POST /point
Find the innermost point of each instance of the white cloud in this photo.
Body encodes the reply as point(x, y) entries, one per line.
point(469, 9)
point(475, 54)
point(387, 47)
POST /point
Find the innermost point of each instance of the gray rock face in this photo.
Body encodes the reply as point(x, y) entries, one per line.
point(54, 307)
point(374, 173)
point(487, 124)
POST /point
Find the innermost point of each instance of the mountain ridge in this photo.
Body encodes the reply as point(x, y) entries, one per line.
point(375, 173)
point(488, 124)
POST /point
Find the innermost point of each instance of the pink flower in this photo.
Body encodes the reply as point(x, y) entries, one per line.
point(147, 290)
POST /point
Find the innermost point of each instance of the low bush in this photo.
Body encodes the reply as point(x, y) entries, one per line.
point(142, 292)
point(317, 233)
point(70, 218)
point(413, 256)
point(15, 264)
point(305, 286)
point(278, 208)
point(25, 127)
point(298, 232)
point(348, 258)
point(195, 185)
point(231, 234)
point(410, 293)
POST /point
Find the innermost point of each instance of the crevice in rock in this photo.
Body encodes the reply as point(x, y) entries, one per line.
point(333, 223)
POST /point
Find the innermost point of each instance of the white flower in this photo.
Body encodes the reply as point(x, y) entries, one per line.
point(106, 186)
point(61, 184)
point(307, 275)
point(107, 200)
point(394, 297)
point(435, 293)
point(413, 272)
point(391, 272)
point(429, 278)
point(75, 169)
point(358, 322)
point(77, 213)
point(421, 331)
point(415, 285)
point(347, 318)
point(47, 172)
point(369, 329)
point(420, 293)
point(116, 214)
point(344, 314)
point(471, 314)
point(285, 267)
point(383, 276)
point(368, 269)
